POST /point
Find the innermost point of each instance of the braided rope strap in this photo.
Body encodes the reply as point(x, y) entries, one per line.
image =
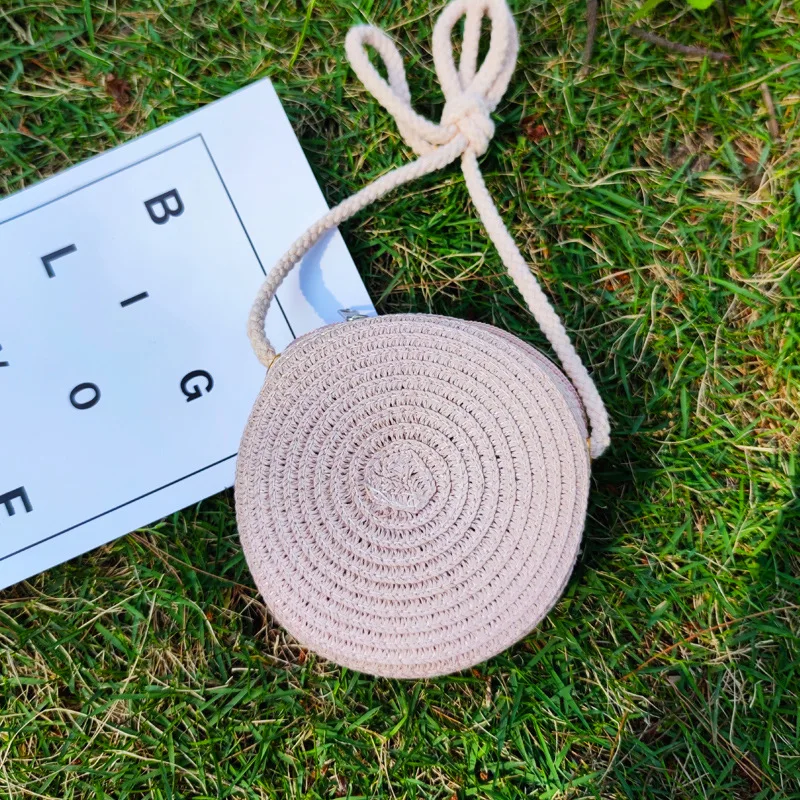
point(411, 490)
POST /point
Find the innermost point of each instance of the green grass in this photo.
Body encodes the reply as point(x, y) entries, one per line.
point(665, 224)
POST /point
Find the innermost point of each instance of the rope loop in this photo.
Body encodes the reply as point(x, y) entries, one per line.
point(471, 94)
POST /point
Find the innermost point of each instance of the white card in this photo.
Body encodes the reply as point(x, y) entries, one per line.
point(126, 376)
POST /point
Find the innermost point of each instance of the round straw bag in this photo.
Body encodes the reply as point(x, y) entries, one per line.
point(411, 489)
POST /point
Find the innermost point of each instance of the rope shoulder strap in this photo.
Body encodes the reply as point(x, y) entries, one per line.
point(465, 130)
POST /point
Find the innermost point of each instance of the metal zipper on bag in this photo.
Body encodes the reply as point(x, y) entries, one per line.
point(348, 315)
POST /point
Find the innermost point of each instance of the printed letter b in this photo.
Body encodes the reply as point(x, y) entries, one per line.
point(164, 206)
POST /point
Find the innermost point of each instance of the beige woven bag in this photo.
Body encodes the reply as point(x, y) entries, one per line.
point(411, 490)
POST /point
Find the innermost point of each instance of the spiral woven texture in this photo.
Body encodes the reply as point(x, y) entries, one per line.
point(411, 492)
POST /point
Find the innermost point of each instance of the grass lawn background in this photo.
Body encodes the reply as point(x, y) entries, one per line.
point(664, 221)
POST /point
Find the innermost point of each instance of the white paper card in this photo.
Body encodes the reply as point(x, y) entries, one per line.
point(126, 376)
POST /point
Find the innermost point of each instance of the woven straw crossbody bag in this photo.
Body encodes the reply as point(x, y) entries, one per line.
point(411, 489)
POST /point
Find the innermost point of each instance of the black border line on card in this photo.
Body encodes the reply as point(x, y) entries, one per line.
point(116, 508)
